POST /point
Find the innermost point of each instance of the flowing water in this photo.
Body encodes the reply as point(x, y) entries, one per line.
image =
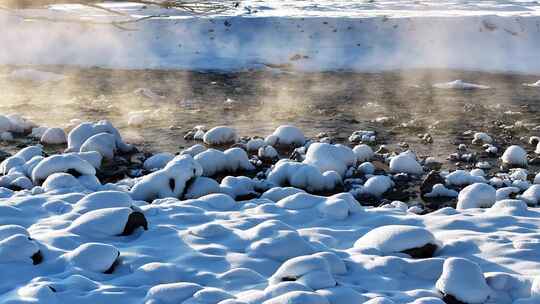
point(399, 105)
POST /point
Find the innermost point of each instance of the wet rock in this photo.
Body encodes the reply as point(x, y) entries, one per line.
point(450, 299)
point(424, 252)
point(429, 181)
point(135, 220)
point(4, 155)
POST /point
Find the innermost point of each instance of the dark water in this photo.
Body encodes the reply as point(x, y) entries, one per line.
point(337, 103)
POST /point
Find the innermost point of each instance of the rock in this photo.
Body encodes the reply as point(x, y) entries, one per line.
point(429, 181)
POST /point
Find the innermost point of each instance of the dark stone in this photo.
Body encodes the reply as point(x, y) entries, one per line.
point(431, 179)
point(424, 252)
point(37, 258)
point(114, 265)
point(450, 299)
point(74, 172)
point(172, 183)
point(247, 197)
point(135, 220)
point(52, 288)
point(4, 155)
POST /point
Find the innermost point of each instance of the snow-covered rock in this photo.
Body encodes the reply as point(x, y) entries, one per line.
point(58, 181)
point(81, 133)
point(378, 185)
point(220, 135)
point(61, 163)
point(515, 156)
point(532, 195)
point(103, 199)
point(103, 143)
point(311, 271)
point(17, 248)
point(108, 222)
point(54, 136)
point(232, 160)
point(202, 186)
point(405, 163)
point(255, 144)
point(439, 190)
point(462, 177)
point(169, 181)
point(463, 280)
point(193, 150)
point(278, 193)
point(158, 161)
point(267, 153)
point(328, 157)
point(482, 137)
point(286, 136)
point(363, 153)
point(303, 176)
point(396, 238)
point(477, 195)
point(96, 257)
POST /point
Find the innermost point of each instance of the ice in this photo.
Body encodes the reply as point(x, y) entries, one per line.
point(463, 280)
point(477, 195)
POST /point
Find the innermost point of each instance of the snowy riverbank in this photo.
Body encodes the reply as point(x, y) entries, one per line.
point(482, 35)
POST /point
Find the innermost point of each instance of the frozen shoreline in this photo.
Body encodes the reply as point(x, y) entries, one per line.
point(326, 38)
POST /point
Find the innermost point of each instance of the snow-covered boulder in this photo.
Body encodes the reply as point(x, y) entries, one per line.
point(481, 137)
point(5, 124)
point(478, 195)
point(532, 195)
point(108, 222)
point(19, 124)
point(158, 161)
point(462, 177)
point(405, 163)
point(169, 181)
point(439, 190)
point(463, 280)
point(66, 163)
point(278, 193)
point(80, 134)
point(298, 297)
point(54, 136)
point(58, 181)
point(202, 186)
point(310, 270)
point(303, 176)
point(328, 157)
point(286, 135)
point(238, 186)
point(96, 257)
point(267, 153)
point(255, 144)
point(171, 293)
point(232, 160)
point(18, 248)
point(515, 156)
point(337, 206)
point(220, 135)
point(399, 238)
point(193, 150)
point(363, 153)
point(103, 199)
point(377, 185)
point(537, 179)
point(103, 143)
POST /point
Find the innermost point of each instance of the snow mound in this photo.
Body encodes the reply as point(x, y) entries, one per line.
point(328, 157)
point(232, 160)
point(338, 206)
point(311, 270)
point(69, 163)
point(169, 181)
point(363, 153)
point(378, 185)
point(298, 297)
point(101, 200)
point(286, 136)
point(405, 163)
point(396, 238)
point(482, 137)
point(460, 85)
point(94, 257)
point(463, 280)
point(462, 177)
point(278, 193)
point(54, 136)
point(532, 195)
point(202, 186)
point(171, 293)
point(477, 195)
point(255, 144)
point(17, 248)
point(78, 137)
point(220, 135)
point(108, 222)
point(439, 190)
point(158, 161)
point(303, 176)
point(515, 156)
point(59, 181)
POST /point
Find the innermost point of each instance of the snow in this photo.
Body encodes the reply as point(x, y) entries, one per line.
point(303, 176)
point(532, 195)
point(215, 161)
point(515, 155)
point(464, 280)
point(328, 157)
point(158, 161)
point(268, 153)
point(169, 181)
point(462, 177)
point(286, 136)
point(477, 195)
point(439, 190)
point(395, 238)
point(53, 136)
point(363, 153)
point(220, 135)
point(405, 163)
point(483, 137)
point(459, 85)
point(107, 139)
point(378, 185)
point(94, 257)
point(61, 163)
